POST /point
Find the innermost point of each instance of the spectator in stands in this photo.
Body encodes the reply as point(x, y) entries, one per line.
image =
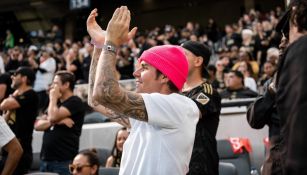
point(204, 158)
point(125, 63)
point(73, 64)
point(291, 91)
point(45, 71)
point(269, 69)
point(220, 74)
point(56, 33)
point(226, 61)
point(231, 38)
point(62, 125)
point(246, 69)
point(85, 163)
point(9, 40)
point(32, 54)
point(212, 77)
point(249, 43)
point(247, 56)
point(21, 109)
point(15, 60)
point(263, 41)
point(117, 150)
point(273, 55)
point(235, 87)
point(87, 62)
point(161, 84)
point(11, 145)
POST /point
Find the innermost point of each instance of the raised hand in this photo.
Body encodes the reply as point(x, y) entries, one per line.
point(55, 92)
point(118, 27)
point(93, 29)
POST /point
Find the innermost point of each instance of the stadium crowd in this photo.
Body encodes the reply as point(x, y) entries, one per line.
point(244, 56)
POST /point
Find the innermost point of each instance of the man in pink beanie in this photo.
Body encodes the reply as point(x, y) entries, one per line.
point(162, 121)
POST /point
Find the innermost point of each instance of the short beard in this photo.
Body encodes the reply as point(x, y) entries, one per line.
point(16, 85)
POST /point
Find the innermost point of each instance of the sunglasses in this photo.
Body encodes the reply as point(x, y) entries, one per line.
point(78, 168)
point(15, 74)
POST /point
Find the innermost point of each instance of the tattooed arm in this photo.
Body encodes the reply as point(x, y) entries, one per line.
point(96, 33)
point(121, 119)
point(107, 91)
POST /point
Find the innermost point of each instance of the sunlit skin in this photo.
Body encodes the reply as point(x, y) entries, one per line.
point(146, 79)
point(16, 81)
point(81, 160)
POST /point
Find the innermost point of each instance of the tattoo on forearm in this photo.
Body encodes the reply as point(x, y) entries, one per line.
point(111, 95)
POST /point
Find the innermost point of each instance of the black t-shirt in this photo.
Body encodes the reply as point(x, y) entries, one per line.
point(86, 68)
point(205, 158)
point(12, 65)
point(22, 119)
point(6, 80)
point(78, 72)
point(60, 142)
point(239, 93)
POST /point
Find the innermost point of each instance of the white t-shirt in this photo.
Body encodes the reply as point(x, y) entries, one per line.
point(43, 80)
point(163, 145)
point(6, 135)
point(250, 83)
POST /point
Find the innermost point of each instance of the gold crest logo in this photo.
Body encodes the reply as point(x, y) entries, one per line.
point(202, 98)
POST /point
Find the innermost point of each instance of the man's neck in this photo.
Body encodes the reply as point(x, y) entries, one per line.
point(294, 34)
point(235, 88)
point(191, 83)
point(23, 88)
point(66, 95)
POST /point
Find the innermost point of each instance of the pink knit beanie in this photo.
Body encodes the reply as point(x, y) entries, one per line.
point(170, 61)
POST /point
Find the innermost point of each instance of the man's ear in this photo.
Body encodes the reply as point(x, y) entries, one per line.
point(66, 85)
point(164, 79)
point(199, 61)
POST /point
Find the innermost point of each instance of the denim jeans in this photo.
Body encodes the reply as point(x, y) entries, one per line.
point(60, 167)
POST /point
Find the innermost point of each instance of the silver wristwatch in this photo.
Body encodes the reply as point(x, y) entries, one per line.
point(110, 48)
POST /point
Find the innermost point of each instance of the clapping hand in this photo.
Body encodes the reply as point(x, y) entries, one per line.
point(118, 28)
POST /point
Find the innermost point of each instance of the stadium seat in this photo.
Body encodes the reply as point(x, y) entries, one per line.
point(108, 171)
point(227, 169)
point(95, 117)
point(240, 160)
point(36, 162)
point(103, 155)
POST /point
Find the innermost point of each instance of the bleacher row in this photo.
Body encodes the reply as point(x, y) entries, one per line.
point(230, 163)
point(232, 124)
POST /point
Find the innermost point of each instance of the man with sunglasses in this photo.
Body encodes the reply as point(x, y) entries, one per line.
point(20, 111)
point(291, 91)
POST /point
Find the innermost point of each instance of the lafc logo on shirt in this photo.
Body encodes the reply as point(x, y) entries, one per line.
point(202, 98)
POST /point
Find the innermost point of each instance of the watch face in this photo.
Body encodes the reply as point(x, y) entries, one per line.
point(110, 48)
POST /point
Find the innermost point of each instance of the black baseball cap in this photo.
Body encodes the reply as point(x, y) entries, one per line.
point(199, 49)
point(283, 23)
point(26, 71)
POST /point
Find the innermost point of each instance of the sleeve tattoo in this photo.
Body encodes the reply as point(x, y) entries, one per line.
point(107, 91)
